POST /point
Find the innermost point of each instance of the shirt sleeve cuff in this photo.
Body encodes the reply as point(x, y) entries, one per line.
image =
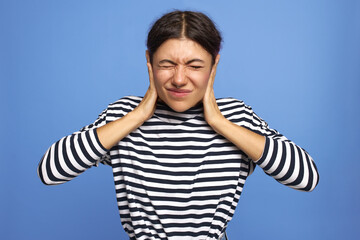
point(264, 159)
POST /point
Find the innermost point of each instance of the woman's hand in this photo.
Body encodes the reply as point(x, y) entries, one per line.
point(113, 132)
point(249, 142)
point(147, 106)
point(212, 113)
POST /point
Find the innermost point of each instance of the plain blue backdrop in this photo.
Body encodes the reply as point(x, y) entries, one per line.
point(297, 63)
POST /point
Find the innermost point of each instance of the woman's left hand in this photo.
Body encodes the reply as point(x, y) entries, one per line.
point(212, 112)
point(252, 144)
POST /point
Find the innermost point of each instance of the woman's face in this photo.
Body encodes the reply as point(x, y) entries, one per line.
point(181, 70)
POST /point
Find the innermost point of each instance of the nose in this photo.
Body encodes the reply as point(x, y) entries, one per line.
point(179, 80)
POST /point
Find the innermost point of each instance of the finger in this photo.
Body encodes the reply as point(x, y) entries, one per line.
point(152, 88)
point(150, 71)
point(213, 71)
point(151, 75)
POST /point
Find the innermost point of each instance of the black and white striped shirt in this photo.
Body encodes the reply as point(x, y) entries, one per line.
point(175, 177)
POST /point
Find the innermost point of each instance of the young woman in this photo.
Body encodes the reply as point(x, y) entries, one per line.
point(179, 156)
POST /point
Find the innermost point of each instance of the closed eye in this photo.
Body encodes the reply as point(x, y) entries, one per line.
point(166, 66)
point(196, 67)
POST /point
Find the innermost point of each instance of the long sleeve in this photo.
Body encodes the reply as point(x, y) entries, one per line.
point(72, 155)
point(283, 160)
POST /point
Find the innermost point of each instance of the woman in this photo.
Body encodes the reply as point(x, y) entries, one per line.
point(179, 156)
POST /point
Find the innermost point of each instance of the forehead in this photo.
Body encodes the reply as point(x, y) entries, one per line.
point(181, 50)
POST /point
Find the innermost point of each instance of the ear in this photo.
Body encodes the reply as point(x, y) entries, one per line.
point(147, 55)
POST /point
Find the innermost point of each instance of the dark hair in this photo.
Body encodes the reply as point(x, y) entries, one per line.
point(195, 26)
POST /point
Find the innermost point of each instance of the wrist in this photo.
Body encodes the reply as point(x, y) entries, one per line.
point(137, 116)
point(217, 123)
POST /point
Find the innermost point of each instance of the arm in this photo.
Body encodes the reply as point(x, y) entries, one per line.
point(279, 157)
point(285, 161)
point(72, 155)
point(125, 125)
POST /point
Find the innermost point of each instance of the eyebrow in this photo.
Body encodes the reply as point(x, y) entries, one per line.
point(188, 62)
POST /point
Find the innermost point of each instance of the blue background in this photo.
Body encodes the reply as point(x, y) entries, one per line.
point(297, 63)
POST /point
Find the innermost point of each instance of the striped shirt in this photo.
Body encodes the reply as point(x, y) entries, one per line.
point(175, 177)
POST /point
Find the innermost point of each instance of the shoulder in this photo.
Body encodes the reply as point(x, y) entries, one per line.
point(122, 107)
point(235, 110)
point(128, 102)
point(230, 103)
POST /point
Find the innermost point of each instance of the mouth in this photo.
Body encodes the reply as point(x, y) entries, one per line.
point(178, 92)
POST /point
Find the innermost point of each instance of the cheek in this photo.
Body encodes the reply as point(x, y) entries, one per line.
point(200, 79)
point(160, 77)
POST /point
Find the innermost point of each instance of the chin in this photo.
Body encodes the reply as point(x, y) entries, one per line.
point(179, 106)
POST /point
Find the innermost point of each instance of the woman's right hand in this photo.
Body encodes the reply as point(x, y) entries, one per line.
point(113, 132)
point(147, 106)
